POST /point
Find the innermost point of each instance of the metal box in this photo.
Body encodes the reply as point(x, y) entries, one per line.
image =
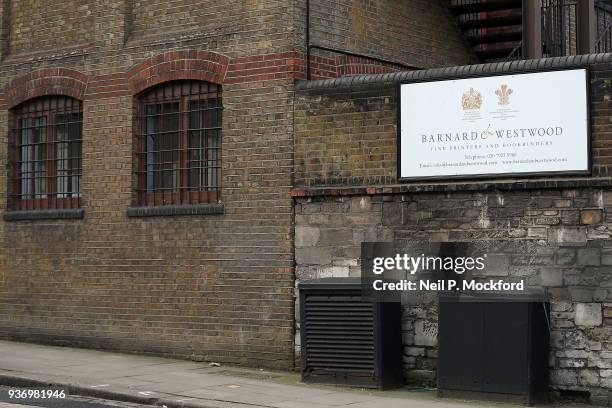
point(494, 346)
point(346, 340)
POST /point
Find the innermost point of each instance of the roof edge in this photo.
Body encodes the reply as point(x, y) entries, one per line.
point(532, 65)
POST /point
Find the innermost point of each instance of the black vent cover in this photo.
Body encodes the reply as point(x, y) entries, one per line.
point(346, 340)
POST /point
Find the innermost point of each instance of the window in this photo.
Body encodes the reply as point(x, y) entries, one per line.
point(178, 144)
point(46, 146)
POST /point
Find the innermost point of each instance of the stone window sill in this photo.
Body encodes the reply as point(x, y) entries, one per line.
point(172, 210)
point(32, 215)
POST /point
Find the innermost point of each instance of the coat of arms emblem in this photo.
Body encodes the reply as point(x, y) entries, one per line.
point(503, 93)
point(471, 100)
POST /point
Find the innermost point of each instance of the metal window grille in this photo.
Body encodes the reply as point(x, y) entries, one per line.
point(46, 149)
point(178, 144)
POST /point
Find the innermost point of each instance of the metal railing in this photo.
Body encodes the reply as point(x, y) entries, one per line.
point(603, 21)
point(563, 27)
point(517, 53)
point(559, 28)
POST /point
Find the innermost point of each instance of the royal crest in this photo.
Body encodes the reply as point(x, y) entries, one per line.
point(471, 99)
point(503, 92)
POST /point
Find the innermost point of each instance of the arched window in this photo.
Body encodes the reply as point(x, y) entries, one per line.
point(46, 150)
point(178, 144)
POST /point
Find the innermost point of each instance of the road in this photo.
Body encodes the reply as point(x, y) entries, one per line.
point(71, 401)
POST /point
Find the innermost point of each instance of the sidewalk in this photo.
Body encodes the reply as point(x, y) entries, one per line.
point(177, 383)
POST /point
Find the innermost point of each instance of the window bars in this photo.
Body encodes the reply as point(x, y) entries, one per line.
point(178, 144)
point(46, 150)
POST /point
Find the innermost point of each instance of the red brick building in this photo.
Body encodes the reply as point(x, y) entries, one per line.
point(172, 167)
point(147, 152)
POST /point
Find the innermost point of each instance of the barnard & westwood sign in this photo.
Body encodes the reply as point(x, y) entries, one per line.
point(511, 125)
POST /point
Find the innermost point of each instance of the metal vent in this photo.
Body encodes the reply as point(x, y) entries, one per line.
point(346, 339)
point(339, 333)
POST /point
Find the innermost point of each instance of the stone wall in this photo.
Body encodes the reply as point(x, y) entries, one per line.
point(564, 237)
point(348, 193)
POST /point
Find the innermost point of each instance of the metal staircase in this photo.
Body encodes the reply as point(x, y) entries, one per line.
point(503, 30)
point(493, 27)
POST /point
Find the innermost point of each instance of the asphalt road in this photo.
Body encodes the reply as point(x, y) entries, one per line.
point(71, 401)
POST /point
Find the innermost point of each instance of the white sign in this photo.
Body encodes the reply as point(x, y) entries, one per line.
point(502, 125)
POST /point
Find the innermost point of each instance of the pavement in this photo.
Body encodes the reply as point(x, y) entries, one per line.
point(176, 383)
point(69, 401)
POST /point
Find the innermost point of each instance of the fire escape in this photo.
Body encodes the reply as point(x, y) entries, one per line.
point(503, 30)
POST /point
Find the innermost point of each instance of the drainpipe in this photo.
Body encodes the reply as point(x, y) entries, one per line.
point(585, 16)
point(532, 29)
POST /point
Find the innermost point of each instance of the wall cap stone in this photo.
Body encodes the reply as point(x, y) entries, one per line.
point(465, 71)
point(446, 187)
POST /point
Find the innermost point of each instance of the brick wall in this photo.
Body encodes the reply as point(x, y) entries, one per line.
point(347, 193)
point(264, 26)
point(420, 34)
point(326, 64)
point(41, 25)
point(347, 136)
point(205, 287)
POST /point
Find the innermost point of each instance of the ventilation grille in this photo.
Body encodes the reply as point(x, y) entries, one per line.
point(339, 335)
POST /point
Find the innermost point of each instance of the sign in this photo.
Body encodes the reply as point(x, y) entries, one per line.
point(511, 125)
